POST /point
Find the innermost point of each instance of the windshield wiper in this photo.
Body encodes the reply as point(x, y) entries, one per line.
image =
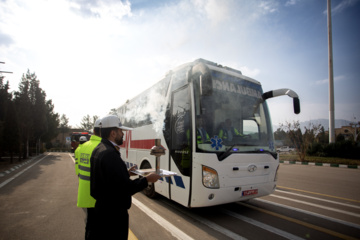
point(227, 152)
point(273, 154)
point(235, 144)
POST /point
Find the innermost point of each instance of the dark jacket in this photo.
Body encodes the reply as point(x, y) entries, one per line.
point(110, 181)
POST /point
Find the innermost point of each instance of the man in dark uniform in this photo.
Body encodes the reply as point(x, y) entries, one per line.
point(110, 183)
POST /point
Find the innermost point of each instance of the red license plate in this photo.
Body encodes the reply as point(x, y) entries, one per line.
point(250, 192)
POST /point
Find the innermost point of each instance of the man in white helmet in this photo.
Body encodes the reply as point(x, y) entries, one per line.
point(111, 185)
point(82, 140)
point(85, 200)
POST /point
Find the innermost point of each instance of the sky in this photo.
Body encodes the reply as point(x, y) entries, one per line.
point(90, 56)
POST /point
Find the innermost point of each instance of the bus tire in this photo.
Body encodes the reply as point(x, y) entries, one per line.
point(149, 191)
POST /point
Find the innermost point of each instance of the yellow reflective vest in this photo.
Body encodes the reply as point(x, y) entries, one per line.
point(223, 134)
point(85, 200)
point(76, 153)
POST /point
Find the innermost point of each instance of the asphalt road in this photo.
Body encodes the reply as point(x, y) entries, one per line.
point(38, 201)
point(41, 202)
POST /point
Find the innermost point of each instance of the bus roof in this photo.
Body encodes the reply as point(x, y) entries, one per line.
point(217, 67)
point(212, 66)
point(234, 73)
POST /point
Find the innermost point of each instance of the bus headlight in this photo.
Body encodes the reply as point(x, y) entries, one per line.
point(210, 177)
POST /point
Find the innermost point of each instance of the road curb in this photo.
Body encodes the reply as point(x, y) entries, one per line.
point(12, 169)
point(321, 164)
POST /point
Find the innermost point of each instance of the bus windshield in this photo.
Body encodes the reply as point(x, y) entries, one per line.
point(233, 118)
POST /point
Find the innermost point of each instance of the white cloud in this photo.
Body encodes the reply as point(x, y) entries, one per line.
point(268, 6)
point(250, 72)
point(88, 48)
point(115, 10)
point(216, 11)
point(291, 2)
point(108, 52)
point(344, 4)
point(255, 10)
point(326, 81)
point(101, 9)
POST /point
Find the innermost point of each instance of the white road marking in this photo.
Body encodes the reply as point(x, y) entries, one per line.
point(210, 224)
point(263, 226)
point(177, 233)
point(309, 213)
point(319, 199)
point(318, 206)
point(72, 157)
point(216, 227)
point(19, 173)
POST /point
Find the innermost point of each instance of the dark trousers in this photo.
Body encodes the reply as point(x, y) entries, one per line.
point(90, 212)
point(109, 222)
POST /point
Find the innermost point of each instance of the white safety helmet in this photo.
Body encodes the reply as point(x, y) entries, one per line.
point(112, 121)
point(82, 139)
point(97, 123)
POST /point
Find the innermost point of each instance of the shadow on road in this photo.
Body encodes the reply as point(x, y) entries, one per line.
point(33, 169)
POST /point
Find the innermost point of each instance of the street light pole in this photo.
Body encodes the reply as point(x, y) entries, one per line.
point(331, 78)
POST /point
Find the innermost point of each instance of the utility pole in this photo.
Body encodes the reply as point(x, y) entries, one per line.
point(331, 78)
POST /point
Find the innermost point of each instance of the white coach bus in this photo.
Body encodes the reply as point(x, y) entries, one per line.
point(216, 166)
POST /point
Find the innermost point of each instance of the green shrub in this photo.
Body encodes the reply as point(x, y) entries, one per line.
point(342, 149)
point(316, 149)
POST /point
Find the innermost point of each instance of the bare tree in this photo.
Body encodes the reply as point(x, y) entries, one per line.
point(356, 131)
point(282, 136)
point(301, 140)
point(87, 122)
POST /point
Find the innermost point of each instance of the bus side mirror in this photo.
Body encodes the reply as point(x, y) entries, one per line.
point(296, 102)
point(282, 92)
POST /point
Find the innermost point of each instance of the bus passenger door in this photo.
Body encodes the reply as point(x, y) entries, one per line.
point(180, 149)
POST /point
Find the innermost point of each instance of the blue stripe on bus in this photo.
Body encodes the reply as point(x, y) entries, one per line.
point(179, 182)
point(168, 179)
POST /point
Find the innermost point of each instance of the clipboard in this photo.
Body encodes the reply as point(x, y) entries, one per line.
point(145, 172)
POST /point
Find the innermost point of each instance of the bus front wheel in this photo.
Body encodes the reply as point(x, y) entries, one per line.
point(149, 191)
